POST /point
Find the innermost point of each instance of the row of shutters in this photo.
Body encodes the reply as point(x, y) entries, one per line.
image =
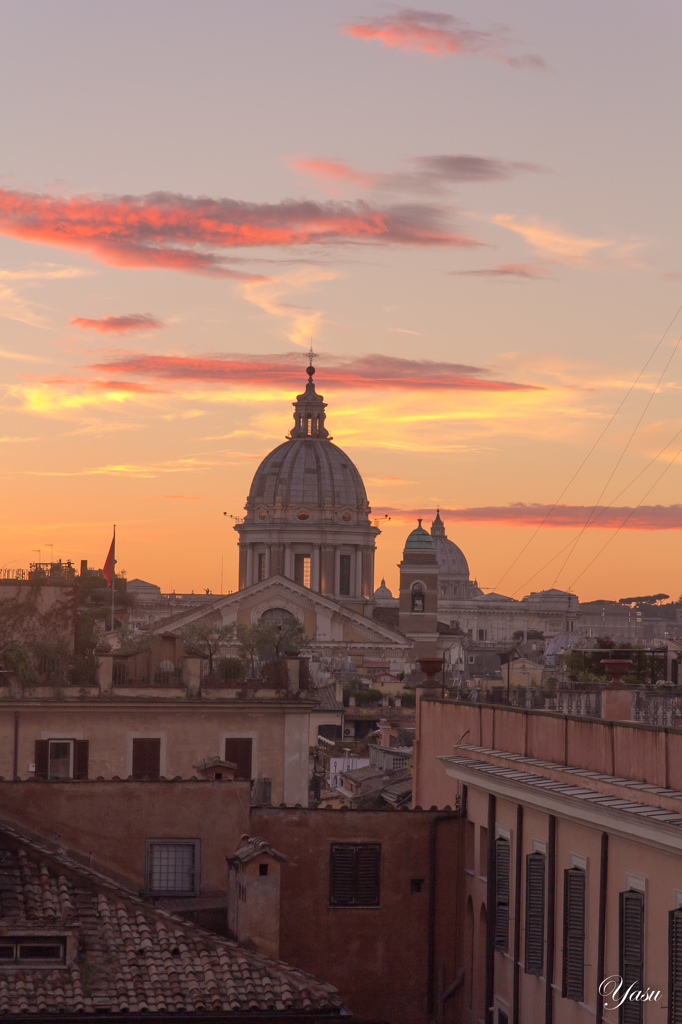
point(631, 933)
point(146, 758)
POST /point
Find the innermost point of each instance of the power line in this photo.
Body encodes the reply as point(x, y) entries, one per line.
point(620, 459)
point(627, 518)
point(620, 406)
point(607, 507)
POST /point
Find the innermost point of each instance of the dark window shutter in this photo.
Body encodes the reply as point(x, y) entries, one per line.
point(342, 875)
point(675, 967)
point(631, 953)
point(41, 758)
point(502, 859)
point(573, 986)
point(535, 913)
point(239, 751)
point(354, 875)
point(81, 749)
point(146, 758)
point(367, 875)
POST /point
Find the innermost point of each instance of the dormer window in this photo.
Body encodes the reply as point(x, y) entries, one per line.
point(303, 515)
point(346, 517)
point(418, 596)
point(38, 950)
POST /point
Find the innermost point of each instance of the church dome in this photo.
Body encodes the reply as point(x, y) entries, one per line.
point(451, 560)
point(419, 540)
point(382, 593)
point(310, 472)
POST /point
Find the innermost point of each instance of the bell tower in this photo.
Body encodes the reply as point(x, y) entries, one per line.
point(418, 615)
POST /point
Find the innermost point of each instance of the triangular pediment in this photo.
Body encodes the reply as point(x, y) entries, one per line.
point(279, 591)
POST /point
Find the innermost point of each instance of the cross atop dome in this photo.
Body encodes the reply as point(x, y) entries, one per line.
point(311, 355)
point(309, 414)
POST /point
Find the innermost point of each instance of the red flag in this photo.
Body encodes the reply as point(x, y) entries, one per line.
point(108, 569)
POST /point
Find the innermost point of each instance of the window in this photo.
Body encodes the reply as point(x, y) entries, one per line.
point(535, 913)
point(39, 949)
point(416, 886)
point(675, 965)
point(239, 751)
point(302, 570)
point(469, 845)
point(173, 866)
point(573, 984)
point(482, 634)
point(354, 874)
point(471, 659)
point(261, 566)
point(344, 575)
point(483, 852)
point(418, 594)
point(61, 759)
point(631, 952)
point(146, 758)
point(262, 870)
point(502, 861)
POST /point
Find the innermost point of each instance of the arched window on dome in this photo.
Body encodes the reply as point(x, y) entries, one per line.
point(309, 425)
point(418, 596)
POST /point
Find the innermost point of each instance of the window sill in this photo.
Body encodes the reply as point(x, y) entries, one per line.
point(351, 906)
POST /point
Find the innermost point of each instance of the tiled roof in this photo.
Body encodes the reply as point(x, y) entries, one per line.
point(360, 774)
point(254, 846)
point(131, 957)
point(325, 698)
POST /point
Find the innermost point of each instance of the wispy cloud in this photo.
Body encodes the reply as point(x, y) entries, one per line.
point(14, 307)
point(171, 231)
point(526, 271)
point(44, 272)
point(119, 324)
point(646, 517)
point(269, 296)
point(285, 371)
point(439, 35)
point(553, 242)
point(425, 174)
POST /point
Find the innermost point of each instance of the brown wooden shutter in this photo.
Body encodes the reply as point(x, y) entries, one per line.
point(675, 967)
point(81, 749)
point(239, 751)
point(146, 758)
point(502, 860)
point(354, 877)
point(41, 758)
point(535, 913)
point(573, 982)
point(631, 953)
point(367, 868)
point(342, 875)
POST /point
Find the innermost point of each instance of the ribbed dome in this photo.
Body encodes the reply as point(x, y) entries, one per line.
point(382, 593)
point(420, 540)
point(309, 472)
point(451, 559)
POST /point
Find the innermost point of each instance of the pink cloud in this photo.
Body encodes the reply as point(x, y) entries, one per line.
point(646, 517)
point(370, 371)
point(527, 271)
point(440, 35)
point(118, 324)
point(334, 170)
point(160, 230)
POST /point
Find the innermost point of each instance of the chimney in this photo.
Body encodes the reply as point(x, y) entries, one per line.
point(84, 567)
point(384, 733)
point(339, 692)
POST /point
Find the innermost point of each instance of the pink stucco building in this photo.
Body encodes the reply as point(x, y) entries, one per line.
point(571, 867)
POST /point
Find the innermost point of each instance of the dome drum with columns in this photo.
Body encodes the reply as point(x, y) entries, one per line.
point(307, 514)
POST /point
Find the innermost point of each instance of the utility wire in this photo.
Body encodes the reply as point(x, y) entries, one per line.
point(606, 507)
point(618, 462)
point(627, 518)
point(620, 406)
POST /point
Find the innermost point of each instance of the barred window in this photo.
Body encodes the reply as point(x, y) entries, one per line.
point(535, 913)
point(38, 949)
point(502, 860)
point(675, 966)
point(173, 867)
point(631, 950)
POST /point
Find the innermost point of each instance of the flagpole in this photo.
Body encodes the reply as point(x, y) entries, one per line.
point(113, 580)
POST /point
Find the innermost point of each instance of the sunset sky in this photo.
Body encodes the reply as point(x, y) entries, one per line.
point(472, 208)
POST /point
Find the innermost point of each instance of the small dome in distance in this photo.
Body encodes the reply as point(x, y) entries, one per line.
point(382, 593)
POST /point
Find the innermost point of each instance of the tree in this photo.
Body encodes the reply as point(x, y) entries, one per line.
point(248, 642)
point(280, 637)
point(207, 638)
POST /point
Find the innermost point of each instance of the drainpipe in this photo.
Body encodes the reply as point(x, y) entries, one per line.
point(516, 1018)
point(490, 919)
point(551, 901)
point(431, 983)
point(601, 938)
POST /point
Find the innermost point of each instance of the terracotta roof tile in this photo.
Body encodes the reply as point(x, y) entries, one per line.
point(132, 957)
